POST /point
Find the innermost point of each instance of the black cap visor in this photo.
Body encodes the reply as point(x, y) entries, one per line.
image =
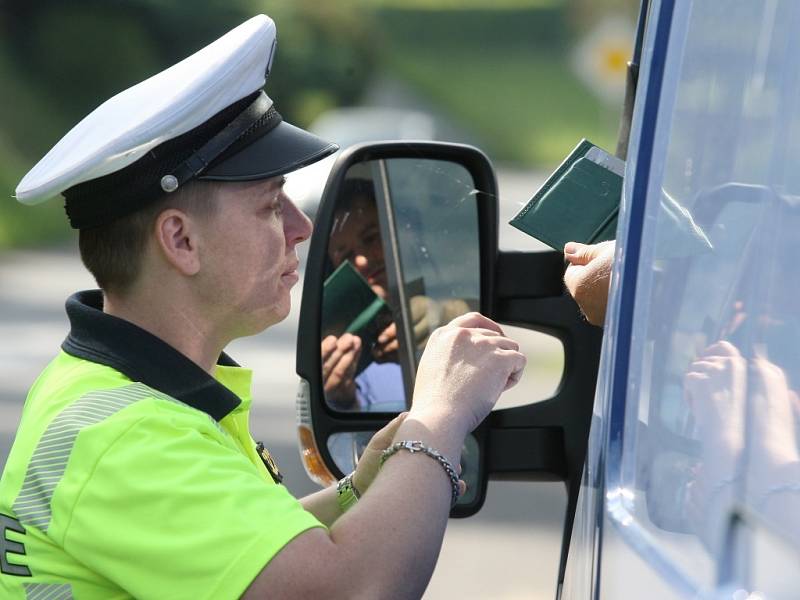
point(285, 148)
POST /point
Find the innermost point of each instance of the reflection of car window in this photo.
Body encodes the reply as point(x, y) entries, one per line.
point(437, 227)
point(709, 282)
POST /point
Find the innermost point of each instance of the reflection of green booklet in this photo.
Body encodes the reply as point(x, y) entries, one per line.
point(578, 202)
point(350, 306)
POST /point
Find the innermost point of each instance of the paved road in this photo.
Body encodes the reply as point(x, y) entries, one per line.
point(509, 550)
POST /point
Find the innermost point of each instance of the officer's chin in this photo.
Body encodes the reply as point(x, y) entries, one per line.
point(263, 320)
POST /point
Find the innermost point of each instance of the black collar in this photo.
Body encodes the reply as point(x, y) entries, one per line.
point(114, 342)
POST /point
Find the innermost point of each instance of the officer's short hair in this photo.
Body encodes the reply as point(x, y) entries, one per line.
point(113, 252)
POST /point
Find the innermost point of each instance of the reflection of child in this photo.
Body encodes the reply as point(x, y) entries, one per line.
point(355, 237)
point(356, 234)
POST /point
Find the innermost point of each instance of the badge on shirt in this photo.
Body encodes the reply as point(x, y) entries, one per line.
point(269, 462)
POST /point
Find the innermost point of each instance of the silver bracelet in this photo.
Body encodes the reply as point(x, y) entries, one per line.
point(414, 446)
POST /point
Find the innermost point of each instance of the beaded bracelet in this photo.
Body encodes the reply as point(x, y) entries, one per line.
point(415, 446)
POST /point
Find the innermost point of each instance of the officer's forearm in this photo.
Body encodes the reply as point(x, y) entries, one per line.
point(384, 546)
point(400, 520)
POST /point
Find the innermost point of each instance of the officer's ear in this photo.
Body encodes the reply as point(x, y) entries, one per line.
point(176, 237)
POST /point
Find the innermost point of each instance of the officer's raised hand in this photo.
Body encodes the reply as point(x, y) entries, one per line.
point(426, 315)
point(466, 365)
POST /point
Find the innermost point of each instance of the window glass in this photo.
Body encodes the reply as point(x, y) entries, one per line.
point(712, 405)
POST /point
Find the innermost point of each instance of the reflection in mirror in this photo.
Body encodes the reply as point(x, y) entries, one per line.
point(432, 277)
point(347, 447)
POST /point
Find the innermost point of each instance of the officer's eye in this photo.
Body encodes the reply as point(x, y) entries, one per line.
point(274, 204)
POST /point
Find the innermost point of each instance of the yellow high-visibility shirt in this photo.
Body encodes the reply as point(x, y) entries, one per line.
point(116, 489)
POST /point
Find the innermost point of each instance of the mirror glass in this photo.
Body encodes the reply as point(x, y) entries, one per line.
point(347, 447)
point(403, 259)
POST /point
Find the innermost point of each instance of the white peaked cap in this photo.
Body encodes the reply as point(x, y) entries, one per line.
point(176, 101)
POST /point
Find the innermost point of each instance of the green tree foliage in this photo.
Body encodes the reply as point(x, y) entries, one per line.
point(330, 54)
point(505, 74)
point(498, 68)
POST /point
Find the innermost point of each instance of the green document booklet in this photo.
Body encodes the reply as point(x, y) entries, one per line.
point(579, 202)
point(350, 306)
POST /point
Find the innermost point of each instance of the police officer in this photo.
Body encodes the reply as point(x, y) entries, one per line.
point(133, 473)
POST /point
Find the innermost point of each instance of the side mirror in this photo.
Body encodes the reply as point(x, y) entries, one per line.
point(436, 210)
point(404, 241)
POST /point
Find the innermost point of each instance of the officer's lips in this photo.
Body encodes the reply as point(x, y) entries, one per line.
point(291, 274)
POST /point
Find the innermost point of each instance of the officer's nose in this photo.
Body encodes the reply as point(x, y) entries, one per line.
point(297, 226)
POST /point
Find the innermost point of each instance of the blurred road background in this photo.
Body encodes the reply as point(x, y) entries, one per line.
point(523, 80)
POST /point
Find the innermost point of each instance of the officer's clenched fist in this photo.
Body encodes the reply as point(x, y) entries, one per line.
point(466, 365)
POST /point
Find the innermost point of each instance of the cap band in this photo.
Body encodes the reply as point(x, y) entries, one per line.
point(105, 199)
point(213, 148)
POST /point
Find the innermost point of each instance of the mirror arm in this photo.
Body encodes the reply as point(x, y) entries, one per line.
point(530, 293)
point(529, 453)
point(528, 275)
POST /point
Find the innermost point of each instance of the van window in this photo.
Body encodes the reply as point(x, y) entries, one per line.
point(712, 410)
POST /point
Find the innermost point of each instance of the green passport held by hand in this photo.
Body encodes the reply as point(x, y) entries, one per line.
point(350, 306)
point(578, 202)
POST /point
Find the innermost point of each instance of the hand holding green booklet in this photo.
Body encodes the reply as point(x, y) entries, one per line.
point(350, 306)
point(579, 202)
